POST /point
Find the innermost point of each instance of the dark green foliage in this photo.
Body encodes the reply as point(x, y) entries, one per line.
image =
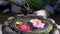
point(37, 4)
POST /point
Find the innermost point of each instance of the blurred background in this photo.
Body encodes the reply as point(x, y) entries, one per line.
point(14, 7)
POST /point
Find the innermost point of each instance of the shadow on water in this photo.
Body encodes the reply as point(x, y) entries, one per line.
point(56, 17)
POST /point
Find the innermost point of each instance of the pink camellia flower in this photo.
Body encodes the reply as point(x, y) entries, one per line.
point(35, 20)
point(40, 25)
point(37, 23)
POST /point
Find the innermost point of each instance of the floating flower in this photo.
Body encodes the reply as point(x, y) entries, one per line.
point(37, 23)
point(24, 28)
point(40, 25)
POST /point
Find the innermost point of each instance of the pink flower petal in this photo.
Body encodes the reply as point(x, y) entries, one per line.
point(39, 20)
point(35, 21)
point(32, 21)
point(42, 25)
point(39, 25)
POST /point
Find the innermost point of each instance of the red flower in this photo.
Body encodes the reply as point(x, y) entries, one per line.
point(24, 28)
